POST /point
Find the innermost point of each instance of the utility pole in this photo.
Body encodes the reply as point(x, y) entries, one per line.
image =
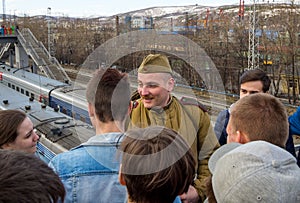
point(186, 22)
point(206, 18)
point(253, 54)
point(3, 15)
point(117, 25)
point(241, 10)
point(50, 34)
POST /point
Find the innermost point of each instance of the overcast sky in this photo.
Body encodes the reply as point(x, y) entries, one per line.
point(86, 8)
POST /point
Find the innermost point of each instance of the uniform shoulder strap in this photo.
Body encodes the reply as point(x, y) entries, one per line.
point(135, 95)
point(193, 102)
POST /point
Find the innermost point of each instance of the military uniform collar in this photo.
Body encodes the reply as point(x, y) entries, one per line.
point(159, 109)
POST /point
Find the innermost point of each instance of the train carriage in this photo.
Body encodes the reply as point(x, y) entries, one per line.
point(68, 99)
point(58, 132)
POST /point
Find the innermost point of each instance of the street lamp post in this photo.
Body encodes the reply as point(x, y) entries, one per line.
point(49, 31)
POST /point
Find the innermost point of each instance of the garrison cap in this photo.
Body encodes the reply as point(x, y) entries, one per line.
point(155, 63)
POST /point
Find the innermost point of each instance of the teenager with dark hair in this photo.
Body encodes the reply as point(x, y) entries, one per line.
point(157, 165)
point(27, 179)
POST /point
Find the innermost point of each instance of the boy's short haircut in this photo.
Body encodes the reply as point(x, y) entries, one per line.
point(262, 117)
point(109, 91)
point(157, 164)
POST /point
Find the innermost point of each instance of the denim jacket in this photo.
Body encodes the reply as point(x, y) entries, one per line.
point(89, 172)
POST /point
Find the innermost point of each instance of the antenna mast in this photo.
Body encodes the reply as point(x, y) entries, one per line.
point(3, 15)
point(241, 10)
point(50, 34)
point(253, 55)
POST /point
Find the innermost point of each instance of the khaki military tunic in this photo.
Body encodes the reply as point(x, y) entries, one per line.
point(190, 121)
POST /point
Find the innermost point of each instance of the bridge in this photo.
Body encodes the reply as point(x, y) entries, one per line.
point(22, 47)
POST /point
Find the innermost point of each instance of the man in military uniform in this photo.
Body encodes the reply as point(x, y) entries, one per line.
point(156, 106)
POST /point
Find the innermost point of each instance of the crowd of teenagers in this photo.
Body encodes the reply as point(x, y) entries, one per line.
point(152, 147)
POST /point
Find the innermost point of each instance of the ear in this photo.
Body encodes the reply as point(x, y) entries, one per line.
point(121, 177)
point(171, 84)
point(234, 136)
point(243, 138)
point(91, 110)
point(238, 136)
point(6, 146)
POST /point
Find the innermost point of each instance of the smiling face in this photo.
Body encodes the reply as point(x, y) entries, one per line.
point(155, 88)
point(26, 140)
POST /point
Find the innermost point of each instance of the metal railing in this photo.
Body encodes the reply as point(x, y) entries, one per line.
point(42, 59)
point(4, 49)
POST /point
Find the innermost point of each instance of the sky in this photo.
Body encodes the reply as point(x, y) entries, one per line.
point(86, 8)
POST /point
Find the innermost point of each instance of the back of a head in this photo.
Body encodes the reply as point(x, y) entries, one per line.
point(109, 92)
point(26, 178)
point(10, 120)
point(262, 117)
point(254, 172)
point(255, 75)
point(157, 164)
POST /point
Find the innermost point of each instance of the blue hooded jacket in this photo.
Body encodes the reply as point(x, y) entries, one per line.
point(294, 121)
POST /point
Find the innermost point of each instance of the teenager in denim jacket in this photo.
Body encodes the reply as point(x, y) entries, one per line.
point(90, 171)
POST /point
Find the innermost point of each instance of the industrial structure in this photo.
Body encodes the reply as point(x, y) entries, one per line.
point(253, 55)
point(25, 51)
point(231, 35)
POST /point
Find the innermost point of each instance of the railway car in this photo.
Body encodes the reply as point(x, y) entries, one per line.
point(32, 85)
point(58, 132)
point(67, 98)
point(71, 101)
